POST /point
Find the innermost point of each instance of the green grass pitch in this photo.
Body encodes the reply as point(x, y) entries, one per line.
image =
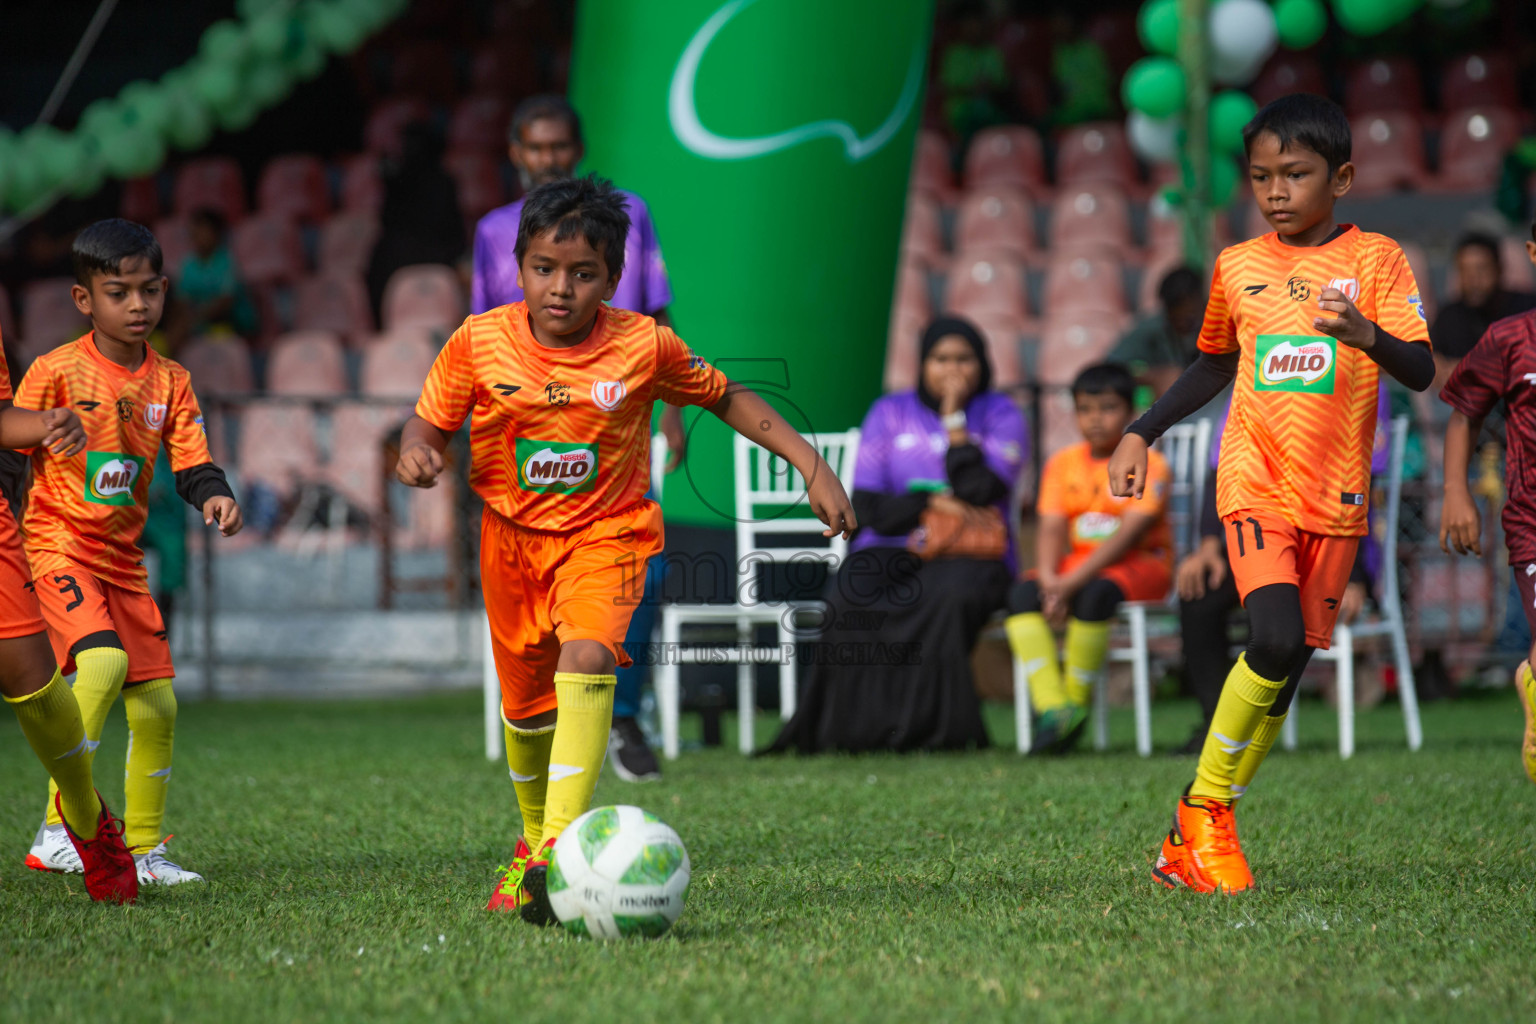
point(351, 847)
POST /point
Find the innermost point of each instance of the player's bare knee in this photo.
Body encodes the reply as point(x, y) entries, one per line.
point(534, 723)
point(587, 658)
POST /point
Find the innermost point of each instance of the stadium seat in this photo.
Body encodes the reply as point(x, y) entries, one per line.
point(213, 181)
point(1287, 72)
point(395, 364)
point(362, 186)
point(997, 218)
point(356, 469)
point(1095, 152)
point(901, 346)
point(478, 177)
point(277, 446)
point(922, 232)
point(1388, 153)
point(1006, 155)
point(140, 202)
point(1381, 84)
point(336, 302)
point(424, 295)
point(912, 294)
point(479, 124)
point(48, 316)
point(268, 250)
point(1085, 279)
point(1472, 147)
point(1058, 421)
point(386, 123)
point(307, 363)
point(1004, 334)
point(986, 283)
point(294, 186)
point(346, 243)
point(423, 67)
point(1480, 80)
point(218, 365)
point(175, 237)
point(1070, 342)
point(932, 172)
point(1152, 277)
point(1095, 214)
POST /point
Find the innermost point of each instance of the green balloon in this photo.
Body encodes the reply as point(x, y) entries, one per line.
point(1155, 86)
point(190, 125)
point(338, 29)
point(306, 60)
point(146, 105)
point(268, 83)
point(1158, 26)
point(87, 177)
point(1367, 17)
point(51, 152)
point(217, 85)
point(269, 34)
point(131, 153)
point(102, 115)
point(25, 184)
point(238, 115)
point(1230, 111)
point(251, 9)
point(1300, 22)
point(1223, 181)
point(224, 42)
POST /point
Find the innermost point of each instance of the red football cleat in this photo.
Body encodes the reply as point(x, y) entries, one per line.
point(509, 894)
point(110, 873)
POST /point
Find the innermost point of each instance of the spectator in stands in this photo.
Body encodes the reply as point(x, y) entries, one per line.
point(419, 221)
point(1162, 345)
point(972, 74)
point(1483, 300)
point(545, 144)
point(209, 297)
point(1080, 72)
point(929, 566)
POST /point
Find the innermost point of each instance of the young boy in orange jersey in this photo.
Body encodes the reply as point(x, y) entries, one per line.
point(1092, 551)
point(85, 515)
point(30, 680)
point(1303, 319)
point(560, 388)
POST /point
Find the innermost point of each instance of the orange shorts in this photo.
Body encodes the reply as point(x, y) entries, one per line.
point(77, 604)
point(1140, 575)
point(1264, 549)
point(19, 614)
point(547, 589)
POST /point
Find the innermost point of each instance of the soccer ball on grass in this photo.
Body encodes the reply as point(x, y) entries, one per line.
point(617, 872)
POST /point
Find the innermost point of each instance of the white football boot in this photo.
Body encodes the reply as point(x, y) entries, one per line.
point(155, 869)
point(52, 851)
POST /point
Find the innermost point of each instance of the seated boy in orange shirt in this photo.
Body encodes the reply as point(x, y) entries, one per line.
point(1092, 551)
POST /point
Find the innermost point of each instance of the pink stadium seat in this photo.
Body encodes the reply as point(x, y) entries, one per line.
point(931, 170)
point(356, 469)
point(1480, 80)
point(336, 302)
point(362, 187)
point(479, 124)
point(997, 218)
point(1287, 72)
point(922, 233)
point(1003, 333)
point(396, 363)
point(1472, 148)
point(1385, 83)
point(346, 243)
point(1095, 214)
point(986, 282)
point(1093, 153)
point(277, 445)
point(1388, 153)
point(268, 250)
point(1058, 421)
point(1152, 277)
point(48, 316)
point(1418, 262)
point(386, 123)
point(478, 177)
point(140, 202)
point(1087, 279)
point(294, 186)
point(213, 181)
point(424, 295)
point(1010, 155)
point(912, 290)
point(1069, 343)
point(220, 365)
point(901, 350)
point(175, 237)
point(307, 363)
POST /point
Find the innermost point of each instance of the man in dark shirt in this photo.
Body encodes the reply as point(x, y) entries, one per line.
point(1483, 300)
point(1161, 346)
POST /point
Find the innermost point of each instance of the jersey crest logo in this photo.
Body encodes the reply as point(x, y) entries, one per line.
point(1418, 306)
point(110, 477)
point(607, 394)
point(1350, 286)
point(1300, 288)
point(1294, 362)
point(555, 466)
point(557, 393)
point(154, 416)
point(125, 409)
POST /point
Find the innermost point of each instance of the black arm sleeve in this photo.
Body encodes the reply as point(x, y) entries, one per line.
point(1210, 519)
point(1203, 381)
point(197, 484)
point(890, 514)
point(1410, 362)
point(971, 478)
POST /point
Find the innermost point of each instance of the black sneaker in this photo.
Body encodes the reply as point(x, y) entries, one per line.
point(629, 754)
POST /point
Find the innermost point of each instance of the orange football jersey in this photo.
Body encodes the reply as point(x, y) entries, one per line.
point(1074, 484)
point(1298, 440)
point(560, 437)
point(89, 509)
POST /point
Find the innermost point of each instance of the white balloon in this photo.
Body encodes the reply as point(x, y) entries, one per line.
point(1230, 71)
point(1155, 139)
point(1243, 35)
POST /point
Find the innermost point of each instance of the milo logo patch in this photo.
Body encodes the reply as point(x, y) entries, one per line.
point(111, 476)
point(545, 466)
point(1295, 362)
point(1095, 526)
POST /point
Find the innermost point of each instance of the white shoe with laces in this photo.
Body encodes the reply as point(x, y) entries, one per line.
point(155, 869)
point(52, 851)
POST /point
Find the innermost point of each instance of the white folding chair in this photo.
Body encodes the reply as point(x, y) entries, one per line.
point(1390, 625)
point(1186, 447)
point(763, 482)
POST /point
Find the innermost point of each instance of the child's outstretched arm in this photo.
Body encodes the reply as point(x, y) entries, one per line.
point(1411, 362)
point(1206, 378)
point(421, 453)
point(58, 430)
point(745, 411)
point(1460, 522)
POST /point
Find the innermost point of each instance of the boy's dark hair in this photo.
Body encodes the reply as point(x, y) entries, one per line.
point(548, 106)
point(1179, 285)
point(1481, 240)
point(212, 216)
point(590, 207)
point(102, 247)
point(1314, 122)
point(1106, 378)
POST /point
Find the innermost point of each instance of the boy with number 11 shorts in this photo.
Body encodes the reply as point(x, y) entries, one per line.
point(559, 390)
point(1301, 321)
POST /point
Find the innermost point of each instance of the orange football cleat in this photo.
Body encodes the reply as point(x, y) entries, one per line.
point(1202, 852)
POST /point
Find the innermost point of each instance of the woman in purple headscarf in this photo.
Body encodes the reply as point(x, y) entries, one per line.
point(891, 668)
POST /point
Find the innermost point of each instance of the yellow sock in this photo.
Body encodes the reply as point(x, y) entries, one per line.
point(151, 711)
point(1263, 739)
point(50, 719)
point(1246, 698)
point(1033, 644)
point(528, 764)
point(1087, 649)
point(578, 748)
point(99, 675)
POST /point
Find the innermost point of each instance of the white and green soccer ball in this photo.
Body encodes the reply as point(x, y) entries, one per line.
point(618, 872)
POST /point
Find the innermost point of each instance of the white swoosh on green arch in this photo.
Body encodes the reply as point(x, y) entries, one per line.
point(690, 131)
